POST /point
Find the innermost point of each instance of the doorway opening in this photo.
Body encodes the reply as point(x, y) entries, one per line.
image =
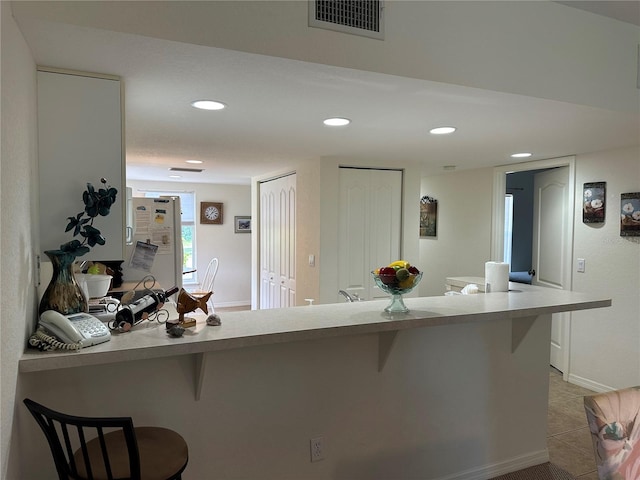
point(531, 250)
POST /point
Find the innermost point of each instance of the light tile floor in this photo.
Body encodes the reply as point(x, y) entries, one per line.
point(569, 440)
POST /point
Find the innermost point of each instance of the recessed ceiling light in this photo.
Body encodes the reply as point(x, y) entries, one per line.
point(194, 161)
point(175, 176)
point(208, 105)
point(336, 122)
point(442, 130)
point(521, 155)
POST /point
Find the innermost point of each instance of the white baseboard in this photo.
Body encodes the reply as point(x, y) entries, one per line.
point(497, 469)
point(590, 384)
point(239, 303)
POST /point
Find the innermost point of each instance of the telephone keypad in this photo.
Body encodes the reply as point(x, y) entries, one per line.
point(88, 327)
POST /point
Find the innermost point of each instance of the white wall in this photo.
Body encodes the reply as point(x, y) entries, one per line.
point(232, 286)
point(17, 217)
point(605, 344)
point(463, 241)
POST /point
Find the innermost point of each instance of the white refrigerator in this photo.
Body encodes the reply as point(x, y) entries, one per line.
point(154, 246)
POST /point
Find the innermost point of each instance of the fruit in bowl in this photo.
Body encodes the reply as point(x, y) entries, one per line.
point(397, 278)
point(398, 275)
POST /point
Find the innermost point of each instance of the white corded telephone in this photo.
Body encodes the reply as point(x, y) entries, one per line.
point(70, 332)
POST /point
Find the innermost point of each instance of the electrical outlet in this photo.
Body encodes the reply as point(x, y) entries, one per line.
point(317, 449)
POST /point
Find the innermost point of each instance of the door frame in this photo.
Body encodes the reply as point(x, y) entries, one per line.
point(497, 223)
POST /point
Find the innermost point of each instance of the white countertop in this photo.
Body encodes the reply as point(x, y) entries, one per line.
point(261, 327)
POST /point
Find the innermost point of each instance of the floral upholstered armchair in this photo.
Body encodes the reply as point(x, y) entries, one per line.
point(615, 431)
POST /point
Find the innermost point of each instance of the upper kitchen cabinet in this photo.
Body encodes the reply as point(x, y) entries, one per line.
point(80, 140)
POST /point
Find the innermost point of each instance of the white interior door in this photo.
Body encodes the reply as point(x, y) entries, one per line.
point(278, 243)
point(550, 252)
point(370, 223)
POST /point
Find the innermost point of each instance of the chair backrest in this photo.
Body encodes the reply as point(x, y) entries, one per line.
point(68, 434)
point(614, 423)
point(210, 275)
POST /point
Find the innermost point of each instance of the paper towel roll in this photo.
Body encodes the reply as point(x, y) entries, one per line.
point(496, 277)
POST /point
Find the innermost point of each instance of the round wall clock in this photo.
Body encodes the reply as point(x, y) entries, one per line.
point(211, 212)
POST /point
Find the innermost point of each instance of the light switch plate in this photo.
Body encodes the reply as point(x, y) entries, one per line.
point(581, 265)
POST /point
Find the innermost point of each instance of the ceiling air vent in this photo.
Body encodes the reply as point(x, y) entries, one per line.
point(358, 17)
point(192, 170)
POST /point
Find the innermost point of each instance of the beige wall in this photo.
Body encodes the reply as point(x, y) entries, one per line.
point(463, 241)
point(605, 344)
point(232, 285)
point(17, 216)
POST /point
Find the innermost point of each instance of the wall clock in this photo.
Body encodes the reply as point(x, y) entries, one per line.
point(211, 212)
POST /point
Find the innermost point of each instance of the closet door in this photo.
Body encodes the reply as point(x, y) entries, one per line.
point(79, 142)
point(278, 243)
point(370, 227)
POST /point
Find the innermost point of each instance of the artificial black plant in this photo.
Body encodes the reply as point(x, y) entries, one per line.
point(96, 203)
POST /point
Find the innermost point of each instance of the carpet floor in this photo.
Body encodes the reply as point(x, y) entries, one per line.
point(545, 471)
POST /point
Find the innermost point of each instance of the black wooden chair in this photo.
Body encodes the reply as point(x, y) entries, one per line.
point(110, 448)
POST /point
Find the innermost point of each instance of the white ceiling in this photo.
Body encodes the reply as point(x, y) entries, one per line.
point(276, 107)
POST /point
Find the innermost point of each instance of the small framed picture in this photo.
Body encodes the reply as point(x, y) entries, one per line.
point(428, 216)
point(594, 196)
point(242, 224)
point(630, 214)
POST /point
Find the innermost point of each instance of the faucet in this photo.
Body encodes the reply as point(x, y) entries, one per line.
point(354, 297)
point(346, 295)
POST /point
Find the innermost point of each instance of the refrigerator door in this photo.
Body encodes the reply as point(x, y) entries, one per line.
point(157, 242)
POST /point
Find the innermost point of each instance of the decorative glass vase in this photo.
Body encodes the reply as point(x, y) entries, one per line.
point(63, 294)
point(396, 290)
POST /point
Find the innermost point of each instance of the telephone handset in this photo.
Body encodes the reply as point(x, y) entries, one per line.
point(71, 331)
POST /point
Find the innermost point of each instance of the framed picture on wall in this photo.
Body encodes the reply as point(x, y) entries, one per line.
point(630, 214)
point(428, 216)
point(594, 196)
point(242, 224)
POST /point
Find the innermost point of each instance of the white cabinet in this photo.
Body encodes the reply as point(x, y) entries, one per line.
point(79, 140)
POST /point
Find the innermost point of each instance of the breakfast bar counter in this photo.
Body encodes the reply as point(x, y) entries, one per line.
point(261, 327)
point(455, 389)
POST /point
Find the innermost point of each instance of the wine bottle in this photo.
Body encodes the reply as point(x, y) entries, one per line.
point(139, 310)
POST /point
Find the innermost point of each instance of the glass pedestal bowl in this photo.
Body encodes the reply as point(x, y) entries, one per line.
point(396, 290)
